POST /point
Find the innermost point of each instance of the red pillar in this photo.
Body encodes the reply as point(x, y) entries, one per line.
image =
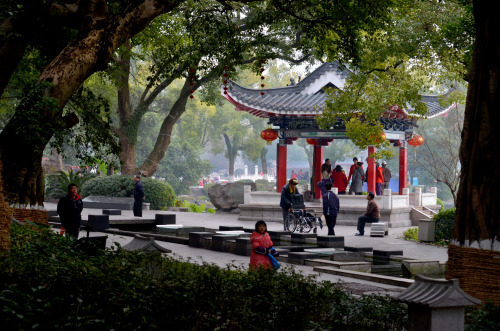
point(372, 177)
point(281, 171)
point(402, 167)
point(317, 162)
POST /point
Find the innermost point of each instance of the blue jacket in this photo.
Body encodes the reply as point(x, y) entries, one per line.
point(331, 204)
point(138, 191)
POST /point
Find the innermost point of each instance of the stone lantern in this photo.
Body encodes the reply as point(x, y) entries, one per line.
point(436, 304)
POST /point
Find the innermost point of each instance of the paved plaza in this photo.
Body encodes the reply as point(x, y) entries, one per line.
point(394, 241)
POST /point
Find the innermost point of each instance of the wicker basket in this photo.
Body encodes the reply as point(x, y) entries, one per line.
point(34, 215)
point(477, 271)
point(5, 217)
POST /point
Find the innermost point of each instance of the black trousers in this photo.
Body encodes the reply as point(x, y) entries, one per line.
point(72, 229)
point(138, 207)
point(362, 220)
point(330, 223)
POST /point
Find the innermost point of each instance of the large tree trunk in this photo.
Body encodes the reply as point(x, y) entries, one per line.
point(231, 156)
point(150, 165)
point(88, 52)
point(474, 256)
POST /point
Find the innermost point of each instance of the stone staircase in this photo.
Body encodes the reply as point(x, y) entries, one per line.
point(419, 213)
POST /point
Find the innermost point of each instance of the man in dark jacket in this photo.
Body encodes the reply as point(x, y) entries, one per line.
point(70, 209)
point(286, 198)
point(330, 208)
point(138, 196)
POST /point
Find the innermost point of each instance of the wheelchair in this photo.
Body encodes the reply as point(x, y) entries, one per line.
point(301, 219)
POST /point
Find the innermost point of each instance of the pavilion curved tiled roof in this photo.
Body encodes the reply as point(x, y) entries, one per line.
point(306, 98)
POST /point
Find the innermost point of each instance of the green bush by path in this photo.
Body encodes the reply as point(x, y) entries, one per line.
point(411, 234)
point(158, 193)
point(45, 283)
point(445, 221)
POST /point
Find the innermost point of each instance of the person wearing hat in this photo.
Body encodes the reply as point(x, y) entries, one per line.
point(387, 175)
point(286, 198)
point(372, 214)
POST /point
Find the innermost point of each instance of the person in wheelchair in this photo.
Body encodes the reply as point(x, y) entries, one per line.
point(286, 198)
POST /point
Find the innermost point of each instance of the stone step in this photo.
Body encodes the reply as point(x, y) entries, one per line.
point(389, 280)
point(355, 266)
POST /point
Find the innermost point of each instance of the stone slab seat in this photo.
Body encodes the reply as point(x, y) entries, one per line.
point(162, 219)
point(379, 229)
point(102, 202)
point(112, 211)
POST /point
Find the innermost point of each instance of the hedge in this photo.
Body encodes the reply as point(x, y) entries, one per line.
point(158, 193)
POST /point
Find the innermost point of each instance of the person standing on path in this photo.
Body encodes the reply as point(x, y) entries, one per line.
point(331, 207)
point(372, 214)
point(138, 196)
point(357, 180)
point(262, 245)
point(379, 178)
point(286, 198)
point(70, 209)
point(387, 175)
point(339, 179)
point(326, 169)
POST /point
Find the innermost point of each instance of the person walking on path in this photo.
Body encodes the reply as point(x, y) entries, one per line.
point(321, 184)
point(326, 169)
point(138, 196)
point(351, 172)
point(379, 179)
point(339, 179)
point(286, 198)
point(387, 175)
point(372, 214)
point(262, 245)
point(70, 209)
point(331, 207)
point(357, 180)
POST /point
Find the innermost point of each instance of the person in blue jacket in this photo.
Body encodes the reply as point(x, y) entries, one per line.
point(138, 196)
point(331, 207)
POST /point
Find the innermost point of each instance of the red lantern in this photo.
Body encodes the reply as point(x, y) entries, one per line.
point(269, 135)
point(383, 136)
point(311, 141)
point(416, 141)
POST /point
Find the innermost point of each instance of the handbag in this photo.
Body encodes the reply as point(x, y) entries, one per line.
point(275, 263)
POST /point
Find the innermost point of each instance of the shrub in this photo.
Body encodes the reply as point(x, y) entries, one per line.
point(246, 181)
point(445, 221)
point(441, 203)
point(486, 318)
point(262, 185)
point(158, 193)
point(411, 234)
point(46, 283)
point(56, 185)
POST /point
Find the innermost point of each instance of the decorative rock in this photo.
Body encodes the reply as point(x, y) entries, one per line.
point(165, 219)
point(228, 196)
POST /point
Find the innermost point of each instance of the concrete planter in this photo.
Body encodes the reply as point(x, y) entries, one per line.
point(426, 229)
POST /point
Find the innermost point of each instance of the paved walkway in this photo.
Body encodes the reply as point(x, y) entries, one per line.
point(394, 241)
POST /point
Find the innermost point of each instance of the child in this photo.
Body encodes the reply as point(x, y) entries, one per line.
point(261, 246)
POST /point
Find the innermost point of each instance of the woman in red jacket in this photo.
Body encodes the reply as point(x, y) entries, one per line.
point(380, 179)
point(339, 179)
point(261, 247)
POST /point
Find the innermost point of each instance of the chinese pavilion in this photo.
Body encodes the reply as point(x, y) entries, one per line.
point(292, 111)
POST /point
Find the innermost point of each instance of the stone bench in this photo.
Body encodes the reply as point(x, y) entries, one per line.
point(330, 241)
point(303, 237)
point(168, 228)
point(112, 211)
point(379, 229)
point(233, 232)
point(219, 241)
point(98, 223)
point(165, 219)
point(196, 238)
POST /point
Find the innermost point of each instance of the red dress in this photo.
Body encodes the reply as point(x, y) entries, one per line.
point(260, 260)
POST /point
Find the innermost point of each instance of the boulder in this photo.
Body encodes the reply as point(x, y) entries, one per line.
point(227, 197)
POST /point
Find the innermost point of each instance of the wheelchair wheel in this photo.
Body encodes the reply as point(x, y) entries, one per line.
point(291, 222)
point(306, 225)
